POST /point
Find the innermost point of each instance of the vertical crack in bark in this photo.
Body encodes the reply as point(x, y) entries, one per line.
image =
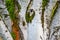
point(44, 4)
point(42, 19)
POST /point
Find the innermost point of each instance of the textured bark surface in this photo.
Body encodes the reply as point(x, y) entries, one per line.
point(36, 20)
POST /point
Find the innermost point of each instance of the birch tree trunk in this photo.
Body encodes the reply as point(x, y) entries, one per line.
point(39, 19)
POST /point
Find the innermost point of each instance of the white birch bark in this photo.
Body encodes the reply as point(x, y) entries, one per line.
point(4, 31)
point(34, 30)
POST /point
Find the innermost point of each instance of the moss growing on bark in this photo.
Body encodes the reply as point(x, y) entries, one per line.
point(29, 17)
point(53, 11)
point(44, 3)
point(28, 12)
point(13, 35)
point(10, 4)
point(13, 8)
point(10, 7)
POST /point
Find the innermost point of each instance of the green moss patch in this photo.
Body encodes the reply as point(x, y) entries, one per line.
point(28, 17)
point(10, 4)
point(13, 35)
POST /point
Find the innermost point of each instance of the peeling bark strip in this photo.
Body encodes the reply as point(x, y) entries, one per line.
point(13, 8)
point(29, 11)
point(44, 4)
